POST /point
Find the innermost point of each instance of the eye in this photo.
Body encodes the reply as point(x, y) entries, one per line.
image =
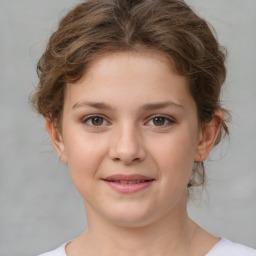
point(95, 121)
point(161, 121)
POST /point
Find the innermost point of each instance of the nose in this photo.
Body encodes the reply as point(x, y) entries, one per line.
point(127, 146)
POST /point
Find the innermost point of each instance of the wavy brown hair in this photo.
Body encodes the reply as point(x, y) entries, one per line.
point(97, 27)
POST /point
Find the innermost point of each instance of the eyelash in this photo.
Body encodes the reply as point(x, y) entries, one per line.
point(90, 118)
point(167, 121)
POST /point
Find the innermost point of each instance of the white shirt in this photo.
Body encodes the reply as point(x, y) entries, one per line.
point(223, 248)
point(227, 248)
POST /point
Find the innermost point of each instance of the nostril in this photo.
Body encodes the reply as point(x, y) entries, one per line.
point(116, 159)
point(127, 149)
point(126, 160)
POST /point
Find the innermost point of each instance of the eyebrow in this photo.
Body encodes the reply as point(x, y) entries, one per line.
point(154, 106)
point(147, 107)
point(97, 105)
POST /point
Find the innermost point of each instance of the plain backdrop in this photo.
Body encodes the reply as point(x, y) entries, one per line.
point(39, 207)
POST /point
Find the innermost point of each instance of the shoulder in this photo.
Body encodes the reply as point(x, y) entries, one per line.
point(57, 252)
point(226, 248)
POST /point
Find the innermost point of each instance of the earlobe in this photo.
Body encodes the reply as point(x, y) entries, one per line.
point(57, 140)
point(209, 134)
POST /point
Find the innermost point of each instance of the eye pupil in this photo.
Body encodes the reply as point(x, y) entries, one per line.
point(158, 121)
point(97, 121)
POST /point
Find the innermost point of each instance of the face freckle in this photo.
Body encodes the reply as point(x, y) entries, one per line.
point(130, 136)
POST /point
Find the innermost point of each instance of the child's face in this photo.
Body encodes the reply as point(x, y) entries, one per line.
point(130, 118)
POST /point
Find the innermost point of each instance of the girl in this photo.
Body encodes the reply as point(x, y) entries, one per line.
point(130, 93)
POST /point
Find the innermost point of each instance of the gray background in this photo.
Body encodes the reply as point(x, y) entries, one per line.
point(39, 207)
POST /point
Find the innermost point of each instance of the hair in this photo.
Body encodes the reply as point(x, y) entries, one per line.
point(170, 27)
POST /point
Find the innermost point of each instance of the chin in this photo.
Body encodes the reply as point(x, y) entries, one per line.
point(130, 216)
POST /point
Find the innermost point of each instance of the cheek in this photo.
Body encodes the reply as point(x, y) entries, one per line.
point(84, 154)
point(174, 155)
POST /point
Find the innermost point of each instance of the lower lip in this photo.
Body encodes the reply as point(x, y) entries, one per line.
point(129, 188)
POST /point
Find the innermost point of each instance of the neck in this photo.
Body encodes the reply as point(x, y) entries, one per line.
point(172, 234)
point(154, 239)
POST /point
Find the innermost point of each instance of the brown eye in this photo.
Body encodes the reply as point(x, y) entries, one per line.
point(97, 121)
point(159, 121)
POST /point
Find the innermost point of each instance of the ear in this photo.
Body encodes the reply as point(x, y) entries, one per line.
point(208, 135)
point(57, 140)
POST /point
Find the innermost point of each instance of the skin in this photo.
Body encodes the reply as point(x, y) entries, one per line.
point(126, 91)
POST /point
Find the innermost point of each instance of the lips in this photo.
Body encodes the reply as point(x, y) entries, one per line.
point(128, 183)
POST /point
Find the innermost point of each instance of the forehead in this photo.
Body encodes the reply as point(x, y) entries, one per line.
point(146, 75)
point(137, 57)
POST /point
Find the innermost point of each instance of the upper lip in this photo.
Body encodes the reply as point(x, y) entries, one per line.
point(127, 177)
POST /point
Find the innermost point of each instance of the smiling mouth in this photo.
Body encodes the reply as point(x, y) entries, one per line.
point(128, 178)
point(127, 184)
point(128, 181)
